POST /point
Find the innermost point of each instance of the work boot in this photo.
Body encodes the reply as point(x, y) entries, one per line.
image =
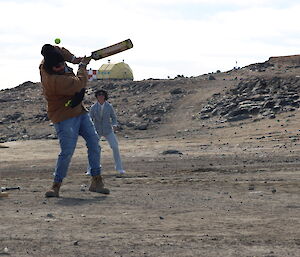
point(97, 185)
point(54, 190)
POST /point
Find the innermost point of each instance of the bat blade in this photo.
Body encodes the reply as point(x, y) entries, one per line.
point(3, 194)
point(111, 50)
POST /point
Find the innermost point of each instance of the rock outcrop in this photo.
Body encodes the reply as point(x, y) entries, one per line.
point(255, 98)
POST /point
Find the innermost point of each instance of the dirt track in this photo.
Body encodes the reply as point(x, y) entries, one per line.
point(233, 192)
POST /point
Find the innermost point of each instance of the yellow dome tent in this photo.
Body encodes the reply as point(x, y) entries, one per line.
point(119, 70)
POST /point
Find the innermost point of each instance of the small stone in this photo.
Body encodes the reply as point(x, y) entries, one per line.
point(83, 188)
point(251, 187)
point(176, 91)
point(171, 152)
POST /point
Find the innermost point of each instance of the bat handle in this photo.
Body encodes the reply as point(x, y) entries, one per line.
point(95, 56)
point(9, 188)
point(86, 59)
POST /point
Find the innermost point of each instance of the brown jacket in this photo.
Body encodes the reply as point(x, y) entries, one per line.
point(58, 89)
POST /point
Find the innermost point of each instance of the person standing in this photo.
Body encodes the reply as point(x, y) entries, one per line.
point(105, 121)
point(60, 85)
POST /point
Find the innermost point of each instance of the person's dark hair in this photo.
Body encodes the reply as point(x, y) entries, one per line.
point(101, 92)
point(52, 57)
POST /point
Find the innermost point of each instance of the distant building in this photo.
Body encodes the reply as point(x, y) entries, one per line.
point(119, 70)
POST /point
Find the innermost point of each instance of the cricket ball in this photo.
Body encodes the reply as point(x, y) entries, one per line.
point(57, 40)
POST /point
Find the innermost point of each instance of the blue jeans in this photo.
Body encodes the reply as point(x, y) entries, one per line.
point(68, 132)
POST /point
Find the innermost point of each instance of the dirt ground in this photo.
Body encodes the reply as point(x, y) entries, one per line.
point(234, 191)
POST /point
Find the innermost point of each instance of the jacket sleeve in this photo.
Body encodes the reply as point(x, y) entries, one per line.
point(113, 116)
point(69, 85)
point(68, 56)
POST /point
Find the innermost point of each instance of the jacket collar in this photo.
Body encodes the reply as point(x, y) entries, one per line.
point(99, 105)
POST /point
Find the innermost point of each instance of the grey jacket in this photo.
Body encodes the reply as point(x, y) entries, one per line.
point(103, 123)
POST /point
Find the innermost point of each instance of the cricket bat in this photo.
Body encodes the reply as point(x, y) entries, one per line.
point(111, 50)
point(3, 189)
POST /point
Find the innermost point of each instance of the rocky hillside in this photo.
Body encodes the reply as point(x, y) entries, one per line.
point(140, 105)
point(257, 91)
point(255, 98)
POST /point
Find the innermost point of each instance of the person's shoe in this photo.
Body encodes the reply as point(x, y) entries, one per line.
point(54, 190)
point(97, 185)
point(121, 172)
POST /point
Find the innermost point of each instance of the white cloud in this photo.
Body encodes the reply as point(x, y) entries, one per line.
point(167, 41)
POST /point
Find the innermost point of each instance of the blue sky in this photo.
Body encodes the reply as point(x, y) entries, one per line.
point(186, 37)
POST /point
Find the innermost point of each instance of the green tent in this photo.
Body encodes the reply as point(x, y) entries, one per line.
point(119, 70)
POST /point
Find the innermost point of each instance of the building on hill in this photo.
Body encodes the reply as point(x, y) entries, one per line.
point(119, 70)
point(293, 60)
